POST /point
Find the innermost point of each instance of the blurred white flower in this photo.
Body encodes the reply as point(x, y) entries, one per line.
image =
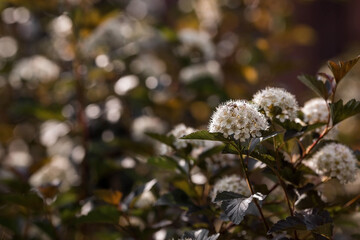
point(316, 111)
point(144, 124)
point(18, 154)
point(219, 161)
point(34, 69)
point(148, 65)
point(61, 26)
point(125, 84)
point(196, 44)
point(211, 69)
point(145, 200)
point(8, 47)
point(59, 170)
point(121, 33)
point(232, 183)
point(239, 119)
point(270, 97)
point(335, 160)
point(208, 13)
point(51, 131)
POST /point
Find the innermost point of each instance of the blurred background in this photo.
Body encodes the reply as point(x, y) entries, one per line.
point(81, 81)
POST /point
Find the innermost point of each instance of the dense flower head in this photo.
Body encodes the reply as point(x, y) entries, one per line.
point(270, 98)
point(232, 183)
point(239, 119)
point(335, 160)
point(316, 111)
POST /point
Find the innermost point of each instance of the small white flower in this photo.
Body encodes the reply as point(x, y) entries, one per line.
point(335, 160)
point(316, 111)
point(239, 119)
point(270, 97)
point(179, 131)
point(232, 183)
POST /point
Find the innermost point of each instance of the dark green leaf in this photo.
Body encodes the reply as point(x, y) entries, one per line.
point(340, 112)
point(103, 214)
point(201, 234)
point(341, 68)
point(313, 220)
point(227, 196)
point(206, 135)
point(236, 206)
point(255, 141)
point(31, 201)
point(291, 133)
point(176, 198)
point(168, 140)
point(212, 151)
point(163, 162)
point(316, 85)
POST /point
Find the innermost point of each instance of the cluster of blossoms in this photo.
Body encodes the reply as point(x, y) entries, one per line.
point(239, 119)
point(179, 131)
point(316, 111)
point(232, 183)
point(271, 98)
point(335, 160)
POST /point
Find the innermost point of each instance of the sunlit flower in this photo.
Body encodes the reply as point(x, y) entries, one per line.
point(271, 98)
point(335, 160)
point(239, 119)
point(232, 183)
point(316, 111)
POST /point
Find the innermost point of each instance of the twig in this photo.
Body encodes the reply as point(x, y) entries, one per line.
point(252, 190)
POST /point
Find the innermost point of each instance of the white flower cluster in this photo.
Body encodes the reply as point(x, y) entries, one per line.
point(232, 183)
point(270, 97)
point(219, 161)
point(239, 119)
point(179, 131)
point(335, 160)
point(316, 111)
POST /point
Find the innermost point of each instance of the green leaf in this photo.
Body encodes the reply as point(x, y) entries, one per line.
point(340, 112)
point(168, 140)
point(103, 214)
point(312, 220)
point(31, 201)
point(236, 206)
point(206, 135)
point(163, 162)
point(264, 158)
point(176, 198)
point(291, 133)
point(341, 68)
point(255, 141)
point(201, 234)
point(319, 87)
